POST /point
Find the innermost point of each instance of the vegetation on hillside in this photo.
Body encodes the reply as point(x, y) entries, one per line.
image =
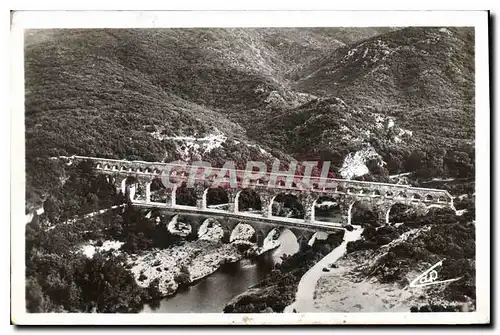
point(128, 94)
point(59, 278)
point(411, 67)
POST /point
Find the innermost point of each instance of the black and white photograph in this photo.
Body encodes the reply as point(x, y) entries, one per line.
point(315, 172)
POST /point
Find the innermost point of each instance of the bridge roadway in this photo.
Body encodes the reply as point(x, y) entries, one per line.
point(216, 213)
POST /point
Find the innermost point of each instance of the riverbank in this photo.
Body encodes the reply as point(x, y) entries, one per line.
point(181, 265)
point(166, 276)
point(343, 290)
point(212, 293)
point(277, 290)
point(377, 280)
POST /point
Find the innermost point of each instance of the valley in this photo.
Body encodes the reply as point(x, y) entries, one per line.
point(382, 105)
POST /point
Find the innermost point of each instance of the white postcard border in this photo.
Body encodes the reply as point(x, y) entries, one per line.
point(125, 19)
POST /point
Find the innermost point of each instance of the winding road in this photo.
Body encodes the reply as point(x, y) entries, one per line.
point(305, 291)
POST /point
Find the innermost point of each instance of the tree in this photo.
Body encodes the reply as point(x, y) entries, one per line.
point(107, 285)
point(115, 224)
point(435, 161)
point(394, 164)
point(93, 201)
point(36, 302)
point(459, 164)
point(51, 209)
point(415, 161)
point(183, 277)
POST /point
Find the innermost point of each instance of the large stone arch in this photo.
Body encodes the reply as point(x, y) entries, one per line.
point(242, 231)
point(288, 204)
point(159, 193)
point(216, 198)
point(399, 211)
point(222, 228)
point(123, 185)
point(277, 240)
point(262, 232)
point(176, 227)
point(302, 236)
point(247, 200)
point(362, 212)
point(327, 208)
point(116, 181)
point(184, 196)
point(228, 225)
point(209, 227)
point(130, 187)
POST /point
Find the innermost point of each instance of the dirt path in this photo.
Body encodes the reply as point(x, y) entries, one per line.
point(84, 216)
point(304, 299)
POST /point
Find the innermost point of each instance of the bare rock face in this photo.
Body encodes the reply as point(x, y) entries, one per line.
point(355, 163)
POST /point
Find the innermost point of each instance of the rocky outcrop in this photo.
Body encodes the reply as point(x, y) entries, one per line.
point(355, 163)
point(192, 259)
point(176, 227)
point(90, 248)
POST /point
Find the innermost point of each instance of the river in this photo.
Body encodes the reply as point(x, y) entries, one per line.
point(212, 293)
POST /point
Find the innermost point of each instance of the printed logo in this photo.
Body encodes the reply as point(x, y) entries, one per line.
point(430, 276)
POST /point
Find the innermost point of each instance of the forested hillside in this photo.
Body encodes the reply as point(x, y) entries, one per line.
point(408, 93)
point(250, 94)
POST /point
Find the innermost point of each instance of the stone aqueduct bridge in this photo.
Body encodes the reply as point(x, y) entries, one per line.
point(379, 196)
point(263, 226)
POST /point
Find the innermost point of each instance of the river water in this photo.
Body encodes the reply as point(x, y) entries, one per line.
point(212, 293)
